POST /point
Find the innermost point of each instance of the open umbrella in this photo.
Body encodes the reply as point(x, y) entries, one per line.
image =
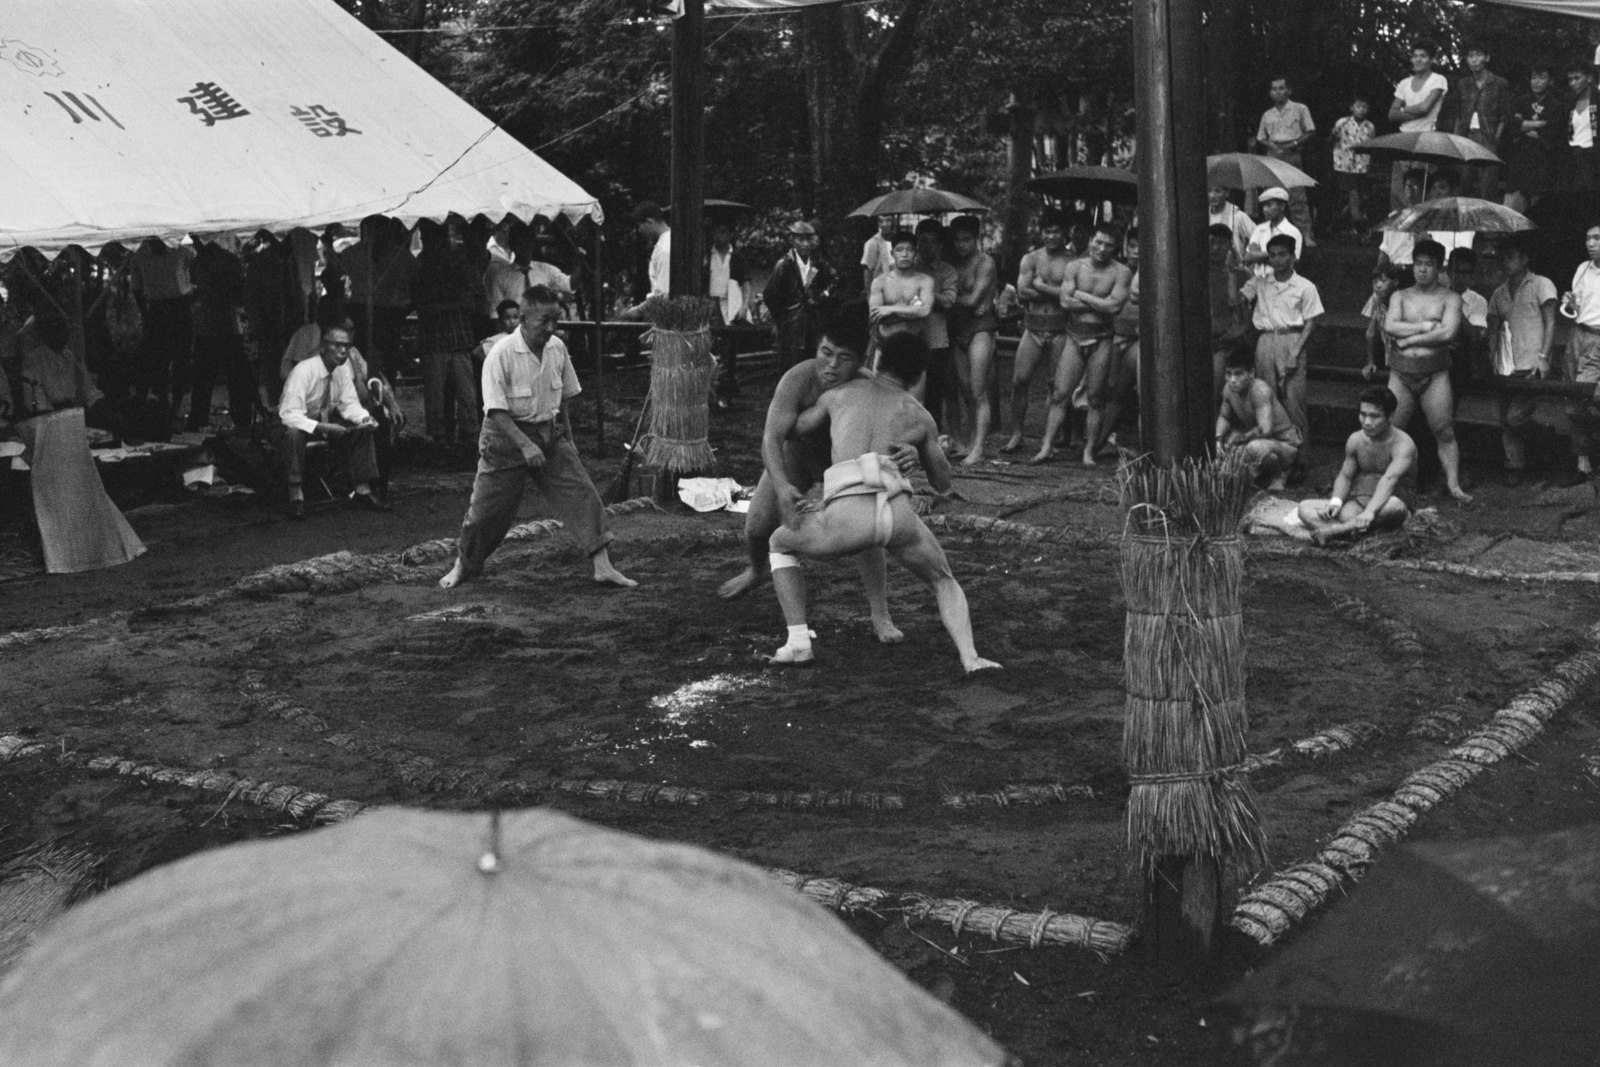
point(1457, 214)
point(412, 937)
point(1494, 940)
point(918, 202)
point(724, 208)
point(1241, 170)
point(1089, 183)
point(1430, 146)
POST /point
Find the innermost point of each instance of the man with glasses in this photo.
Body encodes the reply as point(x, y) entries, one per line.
point(320, 402)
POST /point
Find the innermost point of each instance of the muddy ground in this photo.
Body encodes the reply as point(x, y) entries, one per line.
point(535, 675)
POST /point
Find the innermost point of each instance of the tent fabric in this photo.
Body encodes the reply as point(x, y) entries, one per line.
point(1580, 9)
point(122, 119)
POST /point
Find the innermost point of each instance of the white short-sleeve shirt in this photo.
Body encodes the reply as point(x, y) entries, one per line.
point(527, 387)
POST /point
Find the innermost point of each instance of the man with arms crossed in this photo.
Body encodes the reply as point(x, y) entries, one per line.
point(1093, 290)
point(901, 300)
point(973, 325)
point(794, 462)
point(1253, 419)
point(867, 502)
point(1044, 322)
point(1424, 320)
point(1376, 457)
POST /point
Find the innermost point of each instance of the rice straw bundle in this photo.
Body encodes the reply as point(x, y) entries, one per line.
point(35, 887)
point(681, 373)
point(1184, 736)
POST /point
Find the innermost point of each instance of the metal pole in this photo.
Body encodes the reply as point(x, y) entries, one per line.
point(688, 149)
point(1175, 403)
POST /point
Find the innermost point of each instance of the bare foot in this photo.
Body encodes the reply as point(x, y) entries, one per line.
point(457, 575)
point(978, 663)
point(747, 580)
point(1461, 495)
point(888, 633)
point(792, 657)
point(1088, 459)
point(1322, 537)
point(606, 574)
point(1013, 443)
point(1044, 455)
point(973, 458)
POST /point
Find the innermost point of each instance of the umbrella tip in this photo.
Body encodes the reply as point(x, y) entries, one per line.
point(489, 862)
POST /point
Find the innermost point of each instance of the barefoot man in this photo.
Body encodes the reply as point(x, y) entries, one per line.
point(1093, 290)
point(795, 462)
point(1044, 322)
point(867, 502)
point(973, 325)
point(526, 437)
point(901, 300)
point(1376, 457)
point(1252, 418)
point(1423, 321)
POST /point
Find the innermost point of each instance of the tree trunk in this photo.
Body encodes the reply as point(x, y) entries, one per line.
point(1222, 74)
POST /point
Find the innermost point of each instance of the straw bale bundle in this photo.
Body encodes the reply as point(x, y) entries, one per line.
point(834, 894)
point(1396, 635)
point(1336, 739)
point(681, 373)
point(632, 792)
point(1183, 741)
point(1011, 926)
point(817, 799)
point(1005, 796)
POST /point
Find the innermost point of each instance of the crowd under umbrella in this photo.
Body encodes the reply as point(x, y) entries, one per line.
point(418, 937)
point(1432, 147)
point(918, 201)
point(1491, 946)
point(1242, 170)
point(1457, 214)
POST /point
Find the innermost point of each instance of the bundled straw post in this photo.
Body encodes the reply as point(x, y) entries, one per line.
point(681, 374)
point(1190, 809)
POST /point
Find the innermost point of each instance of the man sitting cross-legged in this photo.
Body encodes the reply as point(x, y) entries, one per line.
point(1376, 457)
point(1252, 418)
point(866, 501)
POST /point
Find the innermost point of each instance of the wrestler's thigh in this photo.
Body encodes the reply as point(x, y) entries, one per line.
point(841, 528)
point(914, 545)
point(1438, 402)
point(981, 354)
point(1069, 368)
point(1406, 400)
point(1029, 352)
point(963, 363)
point(1097, 371)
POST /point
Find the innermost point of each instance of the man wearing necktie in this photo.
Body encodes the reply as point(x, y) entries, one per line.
point(801, 282)
point(320, 402)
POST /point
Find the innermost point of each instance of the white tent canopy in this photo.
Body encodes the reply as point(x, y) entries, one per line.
point(122, 119)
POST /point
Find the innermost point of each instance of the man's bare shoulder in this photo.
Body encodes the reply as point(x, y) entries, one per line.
point(798, 386)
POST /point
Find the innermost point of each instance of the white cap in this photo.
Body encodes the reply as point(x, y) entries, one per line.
point(1277, 192)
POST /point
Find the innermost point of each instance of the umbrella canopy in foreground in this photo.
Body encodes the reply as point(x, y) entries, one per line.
point(1457, 214)
point(1495, 940)
point(918, 202)
point(1430, 146)
point(1088, 183)
point(409, 937)
point(1241, 170)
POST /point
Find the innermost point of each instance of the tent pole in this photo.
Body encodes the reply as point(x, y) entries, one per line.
point(599, 313)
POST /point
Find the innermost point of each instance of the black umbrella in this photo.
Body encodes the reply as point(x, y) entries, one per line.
point(1495, 941)
point(1089, 183)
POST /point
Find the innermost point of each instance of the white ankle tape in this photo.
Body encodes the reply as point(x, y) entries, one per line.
point(779, 560)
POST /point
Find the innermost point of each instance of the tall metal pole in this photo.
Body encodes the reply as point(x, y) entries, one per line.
point(1175, 403)
point(688, 149)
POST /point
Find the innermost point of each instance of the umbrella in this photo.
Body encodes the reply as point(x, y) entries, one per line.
point(1494, 940)
point(1089, 183)
point(413, 937)
point(1430, 146)
point(713, 206)
point(1241, 170)
point(918, 202)
point(1457, 214)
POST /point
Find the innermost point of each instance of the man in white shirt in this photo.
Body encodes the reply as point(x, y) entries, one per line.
point(1416, 105)
point(652, 226)
point(1274, 206)
point(1583, 157)
point(526, 436)
point(1286, 127)
point(1582, 305)
point(319, 402)
point(876, 256)
point(1286, 308)
point(1223, 212)
point(1522, 331)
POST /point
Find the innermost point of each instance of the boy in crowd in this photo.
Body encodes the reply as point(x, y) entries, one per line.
point(1274, 206)
point(1522, 330)
point(1376, 457)
point(1416, 104)
point(1349, 166)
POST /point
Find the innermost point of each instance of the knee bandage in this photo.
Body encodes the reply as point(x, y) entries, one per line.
point(779, 560)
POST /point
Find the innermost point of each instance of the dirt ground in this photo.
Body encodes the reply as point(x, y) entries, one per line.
point(535, 675)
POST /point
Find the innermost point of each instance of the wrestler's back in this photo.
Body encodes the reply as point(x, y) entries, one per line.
point(874, 418)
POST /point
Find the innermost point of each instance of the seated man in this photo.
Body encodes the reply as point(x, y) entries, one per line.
point(1376, 457)
point(866, 502)
point(320, 402)
point(1252, 418)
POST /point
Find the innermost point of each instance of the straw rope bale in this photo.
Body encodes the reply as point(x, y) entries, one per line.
point(1007, 795)
point(682, 370)
point(1262, 913)
point(834, 894)
point(1182, 572)
point(1396, 634)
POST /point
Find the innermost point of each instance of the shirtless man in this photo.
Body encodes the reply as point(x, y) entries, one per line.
point(794, 462)
point(1093, 289)
point(867, 502)
point(1252, 418)
point(1044, 321)
point(901, 300)
point(1376, 457)
point(973, 325)
point(1423, 321)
